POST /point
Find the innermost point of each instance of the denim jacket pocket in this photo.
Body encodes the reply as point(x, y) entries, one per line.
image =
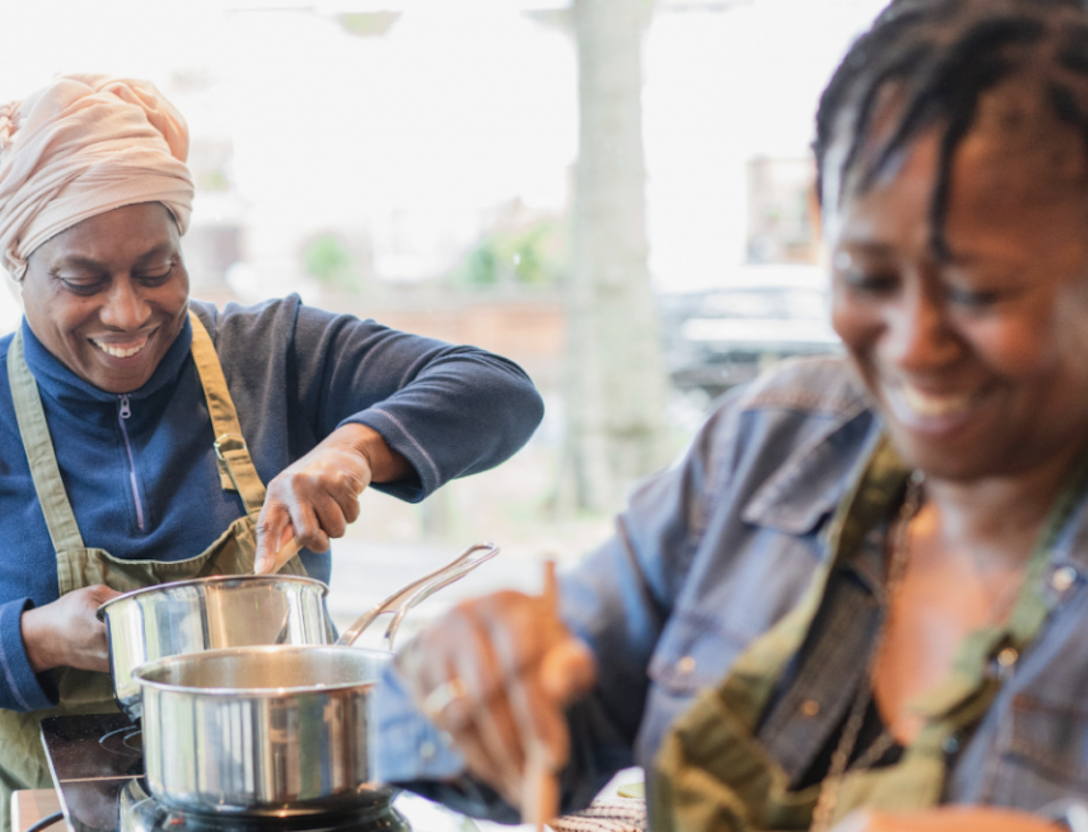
point(798, 497)
point(1047, 756)
point(695, 652)
point(698, 648)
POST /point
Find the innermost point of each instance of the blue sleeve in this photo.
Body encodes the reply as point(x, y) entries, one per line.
point(450, 410)
point(21, 689)
point(406, 745)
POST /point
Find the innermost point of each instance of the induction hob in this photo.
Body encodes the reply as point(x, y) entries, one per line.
point(97, 766)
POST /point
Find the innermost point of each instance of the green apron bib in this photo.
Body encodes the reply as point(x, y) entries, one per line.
point(22, 756)
point(711, 772)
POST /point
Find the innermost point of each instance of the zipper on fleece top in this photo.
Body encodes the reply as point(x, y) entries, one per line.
point(124, 411)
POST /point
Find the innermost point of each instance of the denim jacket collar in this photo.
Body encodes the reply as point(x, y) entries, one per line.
point(806, 489)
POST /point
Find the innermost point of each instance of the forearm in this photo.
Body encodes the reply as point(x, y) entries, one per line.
point(449, 410)
point(956, 818)
point(465, 412)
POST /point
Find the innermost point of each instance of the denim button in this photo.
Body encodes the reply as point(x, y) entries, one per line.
point(1063, 578)
point(1007, 657)
point(810, 708)
point(686, 665)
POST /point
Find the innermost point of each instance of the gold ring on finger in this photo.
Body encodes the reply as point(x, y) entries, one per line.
point(443, 696)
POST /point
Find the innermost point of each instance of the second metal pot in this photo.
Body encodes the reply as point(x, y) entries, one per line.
point(208, 614)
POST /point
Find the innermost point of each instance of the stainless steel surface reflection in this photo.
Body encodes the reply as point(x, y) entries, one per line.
point(262, 731)
point(207, 614)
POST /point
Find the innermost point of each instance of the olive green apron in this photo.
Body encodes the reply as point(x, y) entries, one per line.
point(711, 773)
point(22, 758)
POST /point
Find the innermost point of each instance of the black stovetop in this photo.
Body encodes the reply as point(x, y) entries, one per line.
point(92, 758)
point(97, 765)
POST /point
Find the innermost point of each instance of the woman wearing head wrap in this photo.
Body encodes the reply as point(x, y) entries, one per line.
point(137, 428)
point(864, 587)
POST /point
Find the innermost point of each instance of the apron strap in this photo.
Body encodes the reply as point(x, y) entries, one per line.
point(236, 469)
point(30, 415)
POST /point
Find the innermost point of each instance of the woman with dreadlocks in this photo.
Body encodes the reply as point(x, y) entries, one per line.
point(866, 583)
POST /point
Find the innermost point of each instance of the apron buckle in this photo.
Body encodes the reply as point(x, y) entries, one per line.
point(229, 442)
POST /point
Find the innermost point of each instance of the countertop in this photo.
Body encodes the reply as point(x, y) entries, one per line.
point(31, 805)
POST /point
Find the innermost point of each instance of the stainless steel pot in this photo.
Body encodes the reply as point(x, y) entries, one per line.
point(209, 614)
point(280, 730)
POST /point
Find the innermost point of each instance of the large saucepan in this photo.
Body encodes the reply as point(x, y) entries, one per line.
point(278, 730)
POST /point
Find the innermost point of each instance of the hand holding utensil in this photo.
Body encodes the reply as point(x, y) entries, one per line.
point(287, 551)
point(496, 674)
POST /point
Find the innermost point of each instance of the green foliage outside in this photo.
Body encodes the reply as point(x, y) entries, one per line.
point(328, 259)
point(531, 257)
point(367, 24)
point(213, 180)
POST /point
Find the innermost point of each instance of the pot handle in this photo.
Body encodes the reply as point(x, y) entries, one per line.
point(429, 589)
point(408, 596)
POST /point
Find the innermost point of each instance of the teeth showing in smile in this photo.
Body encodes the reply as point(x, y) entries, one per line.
point(929, 404)
point(119, 352)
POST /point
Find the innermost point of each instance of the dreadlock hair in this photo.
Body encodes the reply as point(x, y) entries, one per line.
point(940, 57)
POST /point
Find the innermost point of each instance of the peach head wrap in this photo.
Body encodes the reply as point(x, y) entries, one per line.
point(81, 146)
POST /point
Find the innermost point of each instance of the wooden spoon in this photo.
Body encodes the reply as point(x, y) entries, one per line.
point(540, 786)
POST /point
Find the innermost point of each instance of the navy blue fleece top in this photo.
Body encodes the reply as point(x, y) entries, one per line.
point(295, 373)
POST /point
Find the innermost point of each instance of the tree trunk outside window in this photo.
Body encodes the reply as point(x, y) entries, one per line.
point(615, 389)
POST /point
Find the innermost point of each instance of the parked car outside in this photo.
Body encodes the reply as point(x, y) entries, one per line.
point(717, 338)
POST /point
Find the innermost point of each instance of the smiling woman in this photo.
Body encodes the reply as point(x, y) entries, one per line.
point(137, 428)
point(971, 338)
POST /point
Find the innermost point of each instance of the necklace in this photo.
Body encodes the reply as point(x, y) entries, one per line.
point(824, 811)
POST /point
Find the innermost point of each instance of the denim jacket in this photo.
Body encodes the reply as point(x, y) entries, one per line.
point(712, 552)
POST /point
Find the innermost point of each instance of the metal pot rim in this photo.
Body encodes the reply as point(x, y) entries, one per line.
point(140, 673)
point(207, 581)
